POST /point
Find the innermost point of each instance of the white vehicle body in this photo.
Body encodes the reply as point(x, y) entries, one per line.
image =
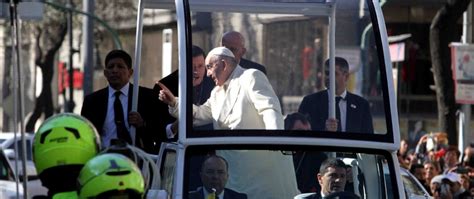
point(7, 143)
point(8, 186)
point(274, 31)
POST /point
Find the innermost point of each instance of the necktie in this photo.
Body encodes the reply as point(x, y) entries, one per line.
point(122, 132)
point(338, 113)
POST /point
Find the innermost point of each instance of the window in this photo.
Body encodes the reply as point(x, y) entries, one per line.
point(288, 171)
point(168, 169)
point(292, 42)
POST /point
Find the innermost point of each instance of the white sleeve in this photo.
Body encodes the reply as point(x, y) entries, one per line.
point(174, 111)
point(169, 132)
point(265, 100)
point(202, 114)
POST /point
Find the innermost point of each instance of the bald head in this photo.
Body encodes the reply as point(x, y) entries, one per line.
point(235, 42)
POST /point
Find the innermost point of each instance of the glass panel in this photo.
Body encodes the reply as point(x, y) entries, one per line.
point(162, 45)
point(167, 171)
point(285, 172)
point(287, 42)
point(412, 187)
point(12, 146)
point(19, 155)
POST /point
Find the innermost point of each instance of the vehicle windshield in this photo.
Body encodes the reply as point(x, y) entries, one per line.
point(297, 171)
point(281, 49)
point(260, 68)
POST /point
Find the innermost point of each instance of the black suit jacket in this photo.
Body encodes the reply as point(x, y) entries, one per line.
point(307, 165)
point(358, 118)
point(148, 137)
point(316, 195)
point(250, 64)
point(228, 194)
point(344, 195)
point(170, 81)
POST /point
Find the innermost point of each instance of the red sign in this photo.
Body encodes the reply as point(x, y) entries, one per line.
point(63, 77)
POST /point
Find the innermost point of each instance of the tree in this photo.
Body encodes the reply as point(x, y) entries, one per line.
point(50, 34)
point(442, 32)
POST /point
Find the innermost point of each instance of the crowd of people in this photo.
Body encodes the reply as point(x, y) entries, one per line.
point(443, 170)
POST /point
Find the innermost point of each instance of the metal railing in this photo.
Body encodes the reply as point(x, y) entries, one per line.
point(408, 105)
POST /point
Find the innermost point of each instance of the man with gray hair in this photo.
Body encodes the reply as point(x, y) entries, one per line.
point(244, 99)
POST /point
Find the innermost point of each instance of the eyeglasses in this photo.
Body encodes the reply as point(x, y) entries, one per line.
point(210, 66)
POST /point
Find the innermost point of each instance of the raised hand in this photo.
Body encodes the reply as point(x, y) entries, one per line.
point(165, 95)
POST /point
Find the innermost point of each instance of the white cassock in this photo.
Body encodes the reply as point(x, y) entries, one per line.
point(247, 101)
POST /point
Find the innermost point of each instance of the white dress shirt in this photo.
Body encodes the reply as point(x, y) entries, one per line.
point(109, 128)
point(343, 109)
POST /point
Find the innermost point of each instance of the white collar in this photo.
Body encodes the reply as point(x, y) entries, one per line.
point(124, 90)
point(343, 95)
point(231, 76)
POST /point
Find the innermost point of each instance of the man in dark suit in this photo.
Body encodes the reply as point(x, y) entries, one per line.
point(202, 86)
point(100, 107)
point(332, 178)
point(235, 42)
point(214, 176)
point(353, 110)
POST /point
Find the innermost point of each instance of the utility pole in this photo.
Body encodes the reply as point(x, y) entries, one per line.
point(18, 90)
point(70, 104)
point(88, 48)
point(465, 136)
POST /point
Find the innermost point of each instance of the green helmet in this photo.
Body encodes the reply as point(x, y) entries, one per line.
point(64, 139)
point(65, 195)
point(110, 174)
